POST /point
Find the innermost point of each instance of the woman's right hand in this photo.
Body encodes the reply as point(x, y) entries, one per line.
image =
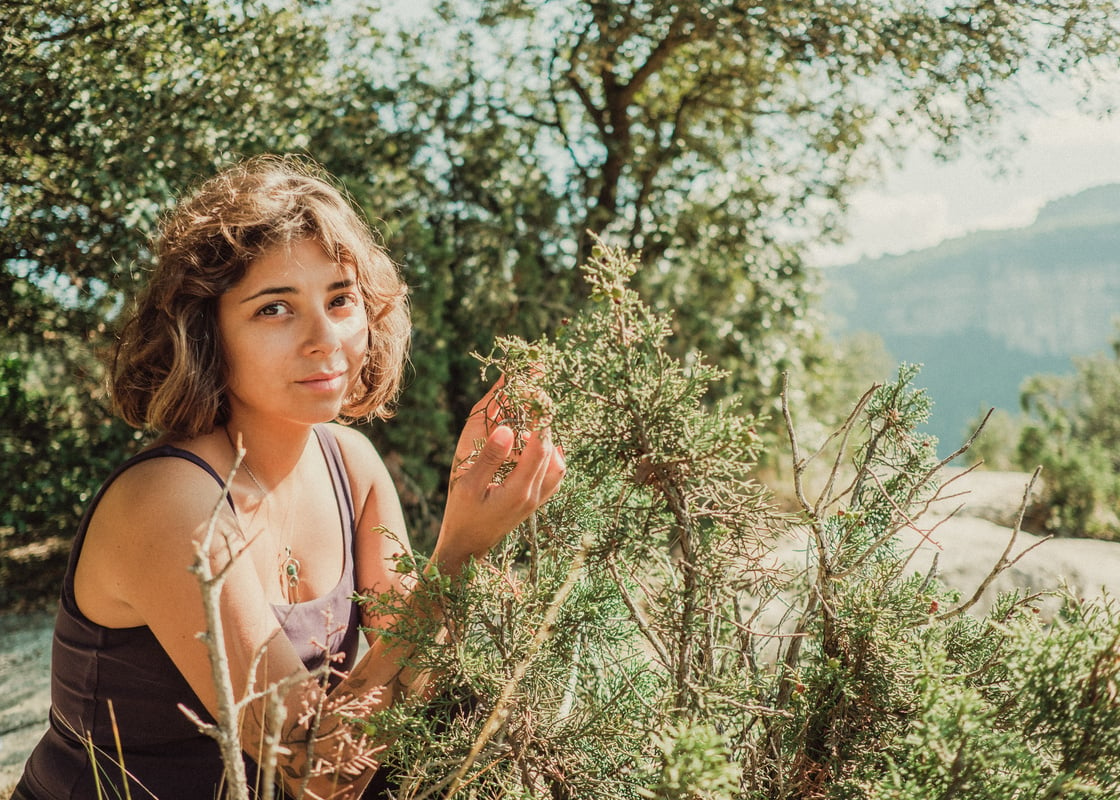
point(480, 511)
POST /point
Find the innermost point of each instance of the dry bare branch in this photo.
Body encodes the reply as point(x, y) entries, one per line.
point(1004, 561)
point(226, 732)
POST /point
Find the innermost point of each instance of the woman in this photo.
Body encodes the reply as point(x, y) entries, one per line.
point(271, 313)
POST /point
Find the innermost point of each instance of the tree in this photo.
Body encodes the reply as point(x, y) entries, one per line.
point(1070, 427)
point(716, 138)
point(110, 109)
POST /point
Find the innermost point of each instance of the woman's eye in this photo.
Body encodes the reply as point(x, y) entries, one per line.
point(271, 310)
point(345, 300)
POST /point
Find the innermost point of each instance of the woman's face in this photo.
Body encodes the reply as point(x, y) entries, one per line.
point(294, 334)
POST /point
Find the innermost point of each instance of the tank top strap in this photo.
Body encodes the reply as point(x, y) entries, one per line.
point(341, 481)
point(303, 622)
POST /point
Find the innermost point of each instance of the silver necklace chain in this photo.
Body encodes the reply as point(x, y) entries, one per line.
point(289, 564)
point(237, 451)
point(249, 472)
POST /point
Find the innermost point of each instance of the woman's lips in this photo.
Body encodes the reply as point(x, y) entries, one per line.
point(324, 381)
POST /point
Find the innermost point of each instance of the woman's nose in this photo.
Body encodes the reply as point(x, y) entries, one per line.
point(322, 334)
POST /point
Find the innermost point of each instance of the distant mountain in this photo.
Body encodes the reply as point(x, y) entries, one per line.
point(985, 311)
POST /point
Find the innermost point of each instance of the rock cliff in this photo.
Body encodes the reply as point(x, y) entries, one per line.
point(987, 310)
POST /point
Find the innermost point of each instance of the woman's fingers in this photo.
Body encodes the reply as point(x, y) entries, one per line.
point(479, 510)
point(498, 446)
point(540, 474)
point(538, 465)
point(554, 473)
point(538, 471)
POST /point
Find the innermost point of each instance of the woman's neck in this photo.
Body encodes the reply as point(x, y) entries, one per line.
point(270, 457)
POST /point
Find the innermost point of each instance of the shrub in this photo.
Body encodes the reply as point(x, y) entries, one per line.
point(58, 443)
point(643, 637)
point(1071, 427)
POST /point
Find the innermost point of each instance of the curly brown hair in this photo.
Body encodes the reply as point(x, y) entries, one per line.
point(168, 368)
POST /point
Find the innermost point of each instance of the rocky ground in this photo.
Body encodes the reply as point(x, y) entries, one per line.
point(970, 541)
point(25, 653)
point(967, 533)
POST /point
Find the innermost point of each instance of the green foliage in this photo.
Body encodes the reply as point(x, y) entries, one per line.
point(57, 446)
point(660, 630)
point(694, 766)
point(1048, 730)
point(661, 494)
point(111, 108)
point(719, 140)
point(1069, 427)
point(641, 637)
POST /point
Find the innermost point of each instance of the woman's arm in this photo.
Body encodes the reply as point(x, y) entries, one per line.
point(153, 517)
point(134, 569)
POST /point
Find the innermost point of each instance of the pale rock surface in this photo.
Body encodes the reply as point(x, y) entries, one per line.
point(963, 536)
point(968, 543)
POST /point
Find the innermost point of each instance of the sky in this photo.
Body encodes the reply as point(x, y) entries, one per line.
point(925, 201)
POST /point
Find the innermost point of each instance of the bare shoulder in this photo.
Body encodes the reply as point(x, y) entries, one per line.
point(143, 536)
point(375, 494)
point(172, 489)
point(363, 462)
point(158, 510)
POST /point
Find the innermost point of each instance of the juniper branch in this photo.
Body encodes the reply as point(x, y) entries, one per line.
point(500, 713)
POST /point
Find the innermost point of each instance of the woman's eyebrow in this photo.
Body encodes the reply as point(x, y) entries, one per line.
point(270, 290)
point(334, 287)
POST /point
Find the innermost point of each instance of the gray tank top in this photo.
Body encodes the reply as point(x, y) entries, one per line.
point(165, 755)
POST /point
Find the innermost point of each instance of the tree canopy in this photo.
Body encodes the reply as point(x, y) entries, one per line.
point(110, 108)
point(719, 139)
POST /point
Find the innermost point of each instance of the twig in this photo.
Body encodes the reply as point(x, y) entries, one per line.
point(270, 743)
point(226, 731)
point(795, 448)
point(500, 713)
point(924, 480)
point(825, 497)
point(636, 614)
point(939, 495)
point(799, 485)
point(940, 465)
point(534, 551)
point(1004, 562)
point(569, 698)
point(816, 592)
point(931, 573)
point(892, 531)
